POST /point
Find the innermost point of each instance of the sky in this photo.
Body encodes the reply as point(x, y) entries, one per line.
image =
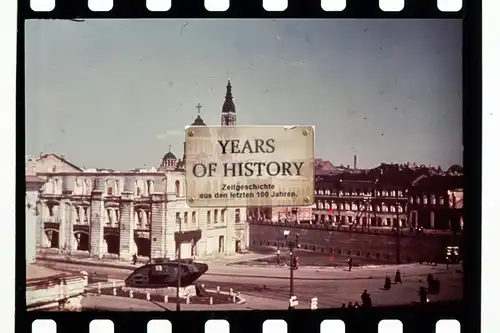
point(118, 93)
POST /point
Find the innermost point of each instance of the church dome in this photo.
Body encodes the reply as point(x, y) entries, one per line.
point(169, 156)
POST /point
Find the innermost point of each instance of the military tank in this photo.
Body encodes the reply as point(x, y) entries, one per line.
point(161, 273)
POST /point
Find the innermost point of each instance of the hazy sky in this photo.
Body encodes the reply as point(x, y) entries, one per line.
point(116, 93)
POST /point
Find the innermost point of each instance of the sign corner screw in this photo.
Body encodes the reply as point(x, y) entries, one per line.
point(190, 133)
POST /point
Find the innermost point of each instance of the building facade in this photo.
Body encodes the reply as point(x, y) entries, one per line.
point(33, 185)
point(106, 213)
point(390, 195)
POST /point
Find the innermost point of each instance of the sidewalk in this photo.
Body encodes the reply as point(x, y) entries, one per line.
point(270, 272)
point(95, 302)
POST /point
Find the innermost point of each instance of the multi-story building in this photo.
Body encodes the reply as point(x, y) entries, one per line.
point(389, 195)
point(436, 202)
point(103, 212)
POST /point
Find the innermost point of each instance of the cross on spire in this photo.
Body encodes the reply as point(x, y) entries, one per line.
point(169, 148)
point(198, 107)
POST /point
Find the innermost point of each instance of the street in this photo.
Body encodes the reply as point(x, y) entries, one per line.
point(331, 286)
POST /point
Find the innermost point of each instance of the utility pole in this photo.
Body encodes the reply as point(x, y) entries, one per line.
point(292, 244)
point(178, 302)
point(398, 231)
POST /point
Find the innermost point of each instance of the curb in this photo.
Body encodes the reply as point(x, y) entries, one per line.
point(120, 283)
point(104, 264)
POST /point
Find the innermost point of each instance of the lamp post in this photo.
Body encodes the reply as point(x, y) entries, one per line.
point(292, 244)
point(178, 301)
point(398, 231)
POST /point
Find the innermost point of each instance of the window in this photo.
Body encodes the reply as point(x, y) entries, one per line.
point(209, 217)
point(411, 199)
point(177, 188)
point(110, 190)
point(177, 217)
point(193, 217)
point(185, 217)
point(347, 206)
point(425, 199)
point(216, 215)
point(54, 168)
point(138, 191)
point(417, 199)
point(222, 215)
point(433, 199)
point(441, 200)
point(237, 215)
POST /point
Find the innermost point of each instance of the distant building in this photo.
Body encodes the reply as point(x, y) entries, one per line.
point(388, 195)
point(107, 213)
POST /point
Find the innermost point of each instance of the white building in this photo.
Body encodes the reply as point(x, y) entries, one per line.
point(116, 214)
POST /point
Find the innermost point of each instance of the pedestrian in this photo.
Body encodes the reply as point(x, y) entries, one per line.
point(349, 262)
point(134, 259)
point(366, 300)
point(356, 305)
point(387, 283)
point(342, 306)
point(397, 278)
point(423, 295)
point(349, 305)
point(278, 257)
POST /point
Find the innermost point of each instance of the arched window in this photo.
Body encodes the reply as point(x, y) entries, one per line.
point(177, 188)
point(237, 215)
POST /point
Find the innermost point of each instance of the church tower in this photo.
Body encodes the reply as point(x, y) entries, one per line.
point(228, 117)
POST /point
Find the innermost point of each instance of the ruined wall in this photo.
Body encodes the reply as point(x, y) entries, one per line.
point(413, 248)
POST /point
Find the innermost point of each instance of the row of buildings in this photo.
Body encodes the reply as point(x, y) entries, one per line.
point(390, 195)
point(107, 213)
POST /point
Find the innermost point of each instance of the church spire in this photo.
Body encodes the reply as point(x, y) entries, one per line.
point(228, 117)
point(229, 93)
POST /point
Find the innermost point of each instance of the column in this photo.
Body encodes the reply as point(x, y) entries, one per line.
point(30, 226)
point(68, 217)
point(39, 223)
point(230, 242)
point(61, 216)
point(97, 223)
point(126, 226)
point(171, 227)
point(432, 220)
point(157, 227)
point(201, 223)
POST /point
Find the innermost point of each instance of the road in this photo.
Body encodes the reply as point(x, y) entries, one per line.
point(332, 287)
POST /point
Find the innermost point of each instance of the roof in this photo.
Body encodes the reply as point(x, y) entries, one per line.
point(198, 122)
point(59, 158)
point(169, 156)
point(443, 182)
point(34, 179)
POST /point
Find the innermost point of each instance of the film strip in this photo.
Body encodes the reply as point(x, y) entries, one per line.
point(268, 5)
point(438, 317)
point(223, 326)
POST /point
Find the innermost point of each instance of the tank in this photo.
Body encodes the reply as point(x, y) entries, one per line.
point(162, 273)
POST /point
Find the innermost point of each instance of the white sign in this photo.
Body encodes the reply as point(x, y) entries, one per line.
point(249, 166)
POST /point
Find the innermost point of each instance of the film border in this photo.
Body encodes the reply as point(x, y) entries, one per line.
point(307, 319)
point(240, 9)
